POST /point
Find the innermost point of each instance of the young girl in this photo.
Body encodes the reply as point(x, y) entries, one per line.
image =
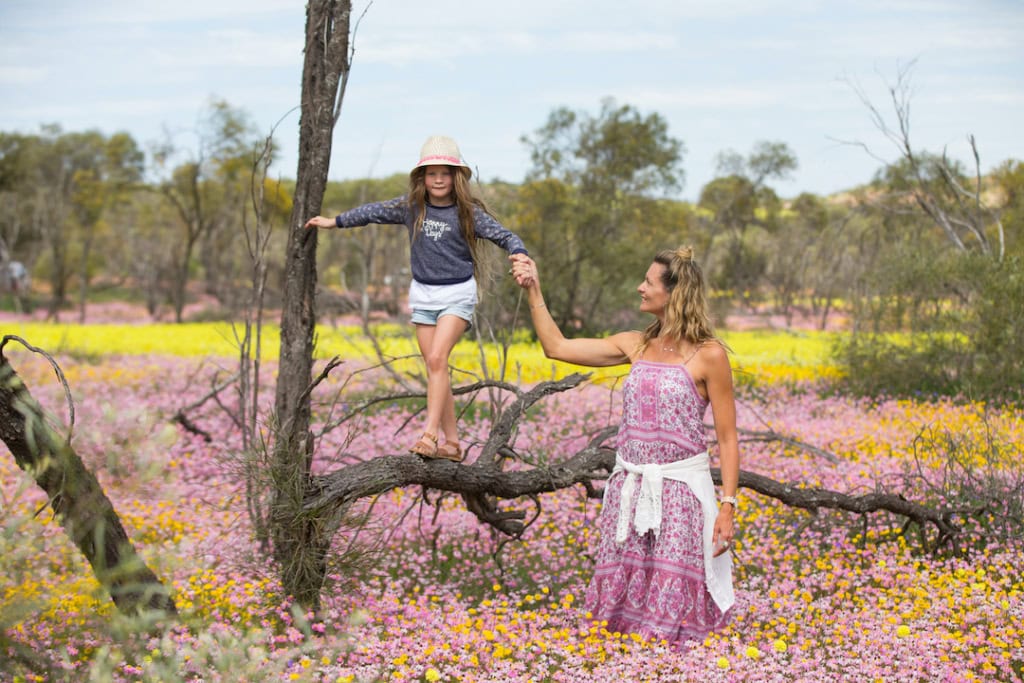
point(445, 220)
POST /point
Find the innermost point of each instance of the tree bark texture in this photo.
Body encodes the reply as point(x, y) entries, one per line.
point(299, 543)
point(77, 499)
point(476, 482)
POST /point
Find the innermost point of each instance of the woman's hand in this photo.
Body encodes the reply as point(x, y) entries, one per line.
point(321, 222)
point(524, 270)
point(594, 352)
point(721, 539)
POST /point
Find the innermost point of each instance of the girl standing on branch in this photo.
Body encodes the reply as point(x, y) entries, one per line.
point(445, 220)
point(662, 566)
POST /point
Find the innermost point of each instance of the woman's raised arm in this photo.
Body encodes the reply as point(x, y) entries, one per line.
point(595, 352)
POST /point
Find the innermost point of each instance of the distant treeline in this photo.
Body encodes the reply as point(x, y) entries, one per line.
point(920, 247)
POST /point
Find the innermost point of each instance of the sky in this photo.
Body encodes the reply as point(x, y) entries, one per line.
point(723, 74)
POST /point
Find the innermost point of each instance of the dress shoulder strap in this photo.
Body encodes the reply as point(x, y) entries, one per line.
point(693, 353)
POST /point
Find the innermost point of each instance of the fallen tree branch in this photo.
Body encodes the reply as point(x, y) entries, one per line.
point(482, 486)
point(771, 435)
point(814, 499)
point(483, 483)
point(183, 419)
point(181, 415)
point(504, 427)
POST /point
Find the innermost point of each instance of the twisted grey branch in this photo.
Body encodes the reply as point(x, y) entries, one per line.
point(483, 483)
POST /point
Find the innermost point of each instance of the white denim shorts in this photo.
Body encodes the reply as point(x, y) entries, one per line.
point(422, 316)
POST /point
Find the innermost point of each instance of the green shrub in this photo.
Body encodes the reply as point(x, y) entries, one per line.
point(965, 317)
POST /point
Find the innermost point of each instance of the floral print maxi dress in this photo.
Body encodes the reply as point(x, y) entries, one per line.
point(654, 586)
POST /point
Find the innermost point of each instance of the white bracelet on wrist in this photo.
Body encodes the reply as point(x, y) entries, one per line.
point(731, 500)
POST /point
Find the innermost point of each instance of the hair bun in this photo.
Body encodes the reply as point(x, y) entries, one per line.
point(684, 253)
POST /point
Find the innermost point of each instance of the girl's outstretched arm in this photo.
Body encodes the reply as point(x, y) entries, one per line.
point(489, 228)
point(392, 212)
point(596, 352)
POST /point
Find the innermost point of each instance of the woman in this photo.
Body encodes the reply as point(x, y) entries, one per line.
point(662, 566)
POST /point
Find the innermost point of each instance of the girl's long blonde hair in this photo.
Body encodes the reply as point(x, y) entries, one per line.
point(687, 316)
point(465, 202)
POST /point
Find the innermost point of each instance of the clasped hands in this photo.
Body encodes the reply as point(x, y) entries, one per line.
point(524, 270)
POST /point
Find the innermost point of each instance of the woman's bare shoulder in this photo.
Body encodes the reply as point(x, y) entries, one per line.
point(628, 342)
point(714, 352)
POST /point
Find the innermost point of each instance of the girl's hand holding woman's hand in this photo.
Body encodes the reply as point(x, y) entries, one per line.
point(524, 270)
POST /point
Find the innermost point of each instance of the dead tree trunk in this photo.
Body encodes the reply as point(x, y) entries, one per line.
point(77, 499)
point(299, 542)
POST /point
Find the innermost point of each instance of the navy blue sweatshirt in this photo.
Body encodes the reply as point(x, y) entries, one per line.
point(439, 254)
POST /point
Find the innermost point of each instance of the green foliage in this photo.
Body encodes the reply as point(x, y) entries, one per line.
point(997, 326)
point(208, 197)
point(55, 190)
point(966, 313)
point(1008, 187)
point(736, 207)
point(878, 364)
point(618, 151)
point(583, 212)
point(593, 211)
point(923, 172)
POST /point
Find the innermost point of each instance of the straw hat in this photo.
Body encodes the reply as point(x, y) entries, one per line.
point(441, 151)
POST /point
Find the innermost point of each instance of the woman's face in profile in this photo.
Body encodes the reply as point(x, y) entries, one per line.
point(653, 294)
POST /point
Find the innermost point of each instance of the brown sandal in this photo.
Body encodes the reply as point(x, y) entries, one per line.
point(426, 446)
point(449, 450)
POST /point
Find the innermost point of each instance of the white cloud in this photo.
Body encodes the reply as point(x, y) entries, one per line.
point(229, 48)
point(707, 98)
point(148, 12)
point(603, 42)
point(22, 75)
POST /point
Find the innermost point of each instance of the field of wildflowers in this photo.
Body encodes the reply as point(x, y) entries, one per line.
point(431, 595)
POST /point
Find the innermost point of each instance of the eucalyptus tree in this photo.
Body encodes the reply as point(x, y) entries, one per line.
point(15, 200)
point(207, 190)
point(38, 181)
point(811, 258)
point(19, 244)
point(739, 207)
point(579, 208)
point(57, 189)
point(116, 170)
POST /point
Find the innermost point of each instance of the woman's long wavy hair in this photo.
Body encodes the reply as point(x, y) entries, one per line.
point(465, 201)
point(687, 315)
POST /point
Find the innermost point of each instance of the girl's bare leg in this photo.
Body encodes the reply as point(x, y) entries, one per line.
point(436, 343)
